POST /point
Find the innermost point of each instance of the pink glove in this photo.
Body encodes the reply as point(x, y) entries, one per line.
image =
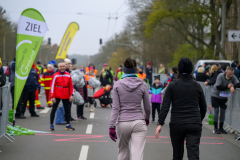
point(147, 121)
point(112, 134)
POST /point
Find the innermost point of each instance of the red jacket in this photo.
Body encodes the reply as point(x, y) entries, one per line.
point(61, 85)
point(46, 79)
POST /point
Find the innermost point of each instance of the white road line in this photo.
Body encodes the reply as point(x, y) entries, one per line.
point(84, 152)
point(89, 129)
point(91, 115)
point(46, 109)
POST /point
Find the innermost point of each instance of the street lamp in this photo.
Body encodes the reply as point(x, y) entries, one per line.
point(4, 44)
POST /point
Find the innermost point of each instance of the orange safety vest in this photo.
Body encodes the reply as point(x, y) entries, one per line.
point(142, 76)
point(87, 70)
point(88, 78)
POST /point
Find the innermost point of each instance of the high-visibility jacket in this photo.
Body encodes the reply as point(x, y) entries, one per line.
point(142, 76)
point(44, 70)
point(137, 75)
point(120, 74)
point(39, 69)
point(87, 70)
point(46, 79)
point(61, 85)
point(87, 76)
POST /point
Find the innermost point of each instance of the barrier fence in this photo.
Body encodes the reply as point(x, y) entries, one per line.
point(232, 117)
point(4, 111)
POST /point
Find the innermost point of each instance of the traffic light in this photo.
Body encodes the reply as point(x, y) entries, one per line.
point(74, 61)
point(49, 40)
point(100, 41)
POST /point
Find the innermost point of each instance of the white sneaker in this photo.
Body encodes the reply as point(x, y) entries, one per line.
point(92, 109)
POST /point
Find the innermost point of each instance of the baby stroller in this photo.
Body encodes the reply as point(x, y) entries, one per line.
point(106, 99)
point(104, 96)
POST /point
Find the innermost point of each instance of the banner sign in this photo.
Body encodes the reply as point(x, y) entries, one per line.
point(30, 33)
point(67, 40)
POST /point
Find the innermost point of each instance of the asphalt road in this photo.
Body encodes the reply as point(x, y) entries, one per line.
point(90, 140)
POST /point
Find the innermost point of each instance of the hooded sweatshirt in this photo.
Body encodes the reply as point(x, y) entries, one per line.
point(128, 94)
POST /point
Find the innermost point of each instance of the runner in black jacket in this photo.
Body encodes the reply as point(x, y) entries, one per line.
point(188, 111)
point(214, 76)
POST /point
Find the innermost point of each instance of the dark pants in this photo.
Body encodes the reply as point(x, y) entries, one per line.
point(155, 106)
point(189, 132)
point(18, 109)
point(70, 109)
point(28, 95)
point(90, 99)
point(80, 110)
point(66, 104)
point(39, 89)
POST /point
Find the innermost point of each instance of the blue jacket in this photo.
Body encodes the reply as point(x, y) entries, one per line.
point(32, 81)
point(236, 71)
point(12, 72)
point(149, 74)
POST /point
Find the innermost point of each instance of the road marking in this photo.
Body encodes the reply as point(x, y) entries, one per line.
point(91, 115)
point(46, 109)
point(84, 152)
point(89, 129)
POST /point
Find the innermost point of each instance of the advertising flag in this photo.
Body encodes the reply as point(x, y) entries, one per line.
point(67, 40)
point(30, 33)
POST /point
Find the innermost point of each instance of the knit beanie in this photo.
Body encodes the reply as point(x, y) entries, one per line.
point(49, 65)
point(141, 67)
point(185, 66)
point(68, 61)
point(157, 77)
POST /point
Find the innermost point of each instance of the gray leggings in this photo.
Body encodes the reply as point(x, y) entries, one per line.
point(222, 115)
point(217, 104)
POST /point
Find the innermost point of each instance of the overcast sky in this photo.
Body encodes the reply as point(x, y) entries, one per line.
point(93, 20)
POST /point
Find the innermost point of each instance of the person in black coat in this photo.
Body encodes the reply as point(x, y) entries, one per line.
point(106, 77)
point(188, 111)
point(2, 75)
point(148, 71)
point(201, 76)
point(215, 72)
point(175, 73)
point(28, 93)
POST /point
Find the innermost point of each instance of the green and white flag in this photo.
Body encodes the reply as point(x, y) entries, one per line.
point(30, 33)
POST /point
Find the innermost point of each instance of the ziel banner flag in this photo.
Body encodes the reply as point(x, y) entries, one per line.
point(30, 33)
point(67, 39)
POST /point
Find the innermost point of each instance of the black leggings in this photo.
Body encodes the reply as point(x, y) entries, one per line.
point(66, 104)
point(154, 107)
point(80, 110)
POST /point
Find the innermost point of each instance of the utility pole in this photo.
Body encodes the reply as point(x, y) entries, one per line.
point(4, 46)
point(223, 34)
